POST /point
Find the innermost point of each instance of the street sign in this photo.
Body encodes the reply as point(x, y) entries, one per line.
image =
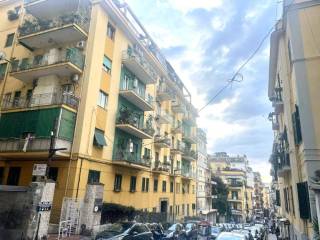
point(44, 206)
point(39, 169)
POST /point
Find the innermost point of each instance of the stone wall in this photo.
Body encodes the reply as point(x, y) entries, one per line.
point(19, 215)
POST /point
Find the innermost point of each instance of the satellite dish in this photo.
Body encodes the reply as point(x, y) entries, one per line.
point(2, 56)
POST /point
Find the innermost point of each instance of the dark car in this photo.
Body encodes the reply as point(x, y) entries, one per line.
point(191, 230)
point(157, 230)
point(215, 231)
point(125, 231)
point(175, 232)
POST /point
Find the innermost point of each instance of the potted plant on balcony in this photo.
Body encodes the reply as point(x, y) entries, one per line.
point(124, 115)
point(149, 126)
point(13, 15)
point(27, 27)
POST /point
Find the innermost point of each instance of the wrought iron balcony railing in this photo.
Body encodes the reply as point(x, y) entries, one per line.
point(132, 157)
point(37, 100)
point(34, 25)
point(72, 55)
point(162, 166)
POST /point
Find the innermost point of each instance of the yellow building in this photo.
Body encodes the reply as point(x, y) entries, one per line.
point(293, 89)
point(93, 84)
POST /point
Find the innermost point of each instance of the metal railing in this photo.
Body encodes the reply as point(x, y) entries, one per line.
point(72, 55)
point(236, 184)
point(162, 166)
point(45, 99)
point(132, 157)
point(131, 54)
point(24, 144)
point(128, 87)
point(33, 25)
point(190, 153)
point(164, 90)
point(127, 116)
point(162, 139)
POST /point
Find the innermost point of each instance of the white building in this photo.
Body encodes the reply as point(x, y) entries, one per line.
point(204, 188)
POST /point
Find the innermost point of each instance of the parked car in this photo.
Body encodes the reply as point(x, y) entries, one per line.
point(157, 230)
point(215, 231)
point(231, 236)
point(175, 232)
point(125, 231)
point(191, 230)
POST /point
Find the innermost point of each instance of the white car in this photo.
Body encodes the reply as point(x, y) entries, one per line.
point(231, 236)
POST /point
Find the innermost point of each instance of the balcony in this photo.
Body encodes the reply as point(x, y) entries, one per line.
point(124, 157)
point(162, 141)
point(163, 117)
point(177, 107)
point(35, 144)
point(176, 129)
point(284, 165)
point(137, 97)
point(190, 155)
point(162, 167)
point(39, 100)
point(130, 122)
point(139, 66)
point(29, 131)
point(50, 8)
point(189, 137)
point(188, 174)
point(63, 63)
point(177, 148)
point(164, 93)
point(235, 199)
point(236, 184)
point(277, 101)
point(39, 34)
point(189, 119)
point(275, 126)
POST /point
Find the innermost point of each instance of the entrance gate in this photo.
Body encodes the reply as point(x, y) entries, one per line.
point(70, 217)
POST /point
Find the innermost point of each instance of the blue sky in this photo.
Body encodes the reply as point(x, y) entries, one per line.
point(205, 41)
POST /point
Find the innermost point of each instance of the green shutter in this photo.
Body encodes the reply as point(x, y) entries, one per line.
point(67, 125)
point(99, 139)
point(303, 197)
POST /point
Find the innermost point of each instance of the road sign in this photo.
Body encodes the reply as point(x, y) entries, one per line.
point(39, 169)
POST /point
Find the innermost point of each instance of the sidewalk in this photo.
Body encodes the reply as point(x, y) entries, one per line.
point(272, 236)
point(55, 237)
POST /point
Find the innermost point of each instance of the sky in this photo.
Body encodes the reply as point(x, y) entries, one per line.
point(206, 41)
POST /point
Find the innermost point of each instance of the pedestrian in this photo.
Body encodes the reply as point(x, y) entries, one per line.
point(277, 232)
point(250, 235)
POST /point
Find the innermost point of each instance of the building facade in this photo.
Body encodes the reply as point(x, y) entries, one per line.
point(204, 186)
point(238, 176)
point(84, 79)
point(293, 80)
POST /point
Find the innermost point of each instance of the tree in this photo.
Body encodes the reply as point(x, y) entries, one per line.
point(221, 201)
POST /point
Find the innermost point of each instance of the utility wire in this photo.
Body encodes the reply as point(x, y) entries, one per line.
point(237, 73)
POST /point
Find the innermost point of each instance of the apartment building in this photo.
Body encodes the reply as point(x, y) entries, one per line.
point(258, 196)
point(293, 83)
point(204, 186)
point(233, 171)
point(84, 79)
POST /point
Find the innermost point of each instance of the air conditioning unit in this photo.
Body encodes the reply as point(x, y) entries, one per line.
point(75, 78)
point(81, 44)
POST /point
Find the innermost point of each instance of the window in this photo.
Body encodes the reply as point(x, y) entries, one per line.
point(177, 187)
point(170, 211)
point(145, 184)
point(99, 139)
point(93, 176)
point(111, 31)
point(147, 153)
point(16, 98)
point(296, 126)
point(53, 173)
point(171, 186)
point(164, 186)
point(117, 183)
point(155, 185)
point(182, 209)
point(1, 175)
point(102, 99)
point(3, 68)
point(303, 198)
point(9, 40)
point(133, 183)
point(14, 176)
point(187, 209)
point(107, 64)
point(7, 99)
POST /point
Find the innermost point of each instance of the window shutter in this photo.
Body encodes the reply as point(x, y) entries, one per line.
point(303, 197)
point(296, 126)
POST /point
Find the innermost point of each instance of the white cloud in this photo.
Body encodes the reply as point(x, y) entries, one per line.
point(189, 5)
point(218, 23)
